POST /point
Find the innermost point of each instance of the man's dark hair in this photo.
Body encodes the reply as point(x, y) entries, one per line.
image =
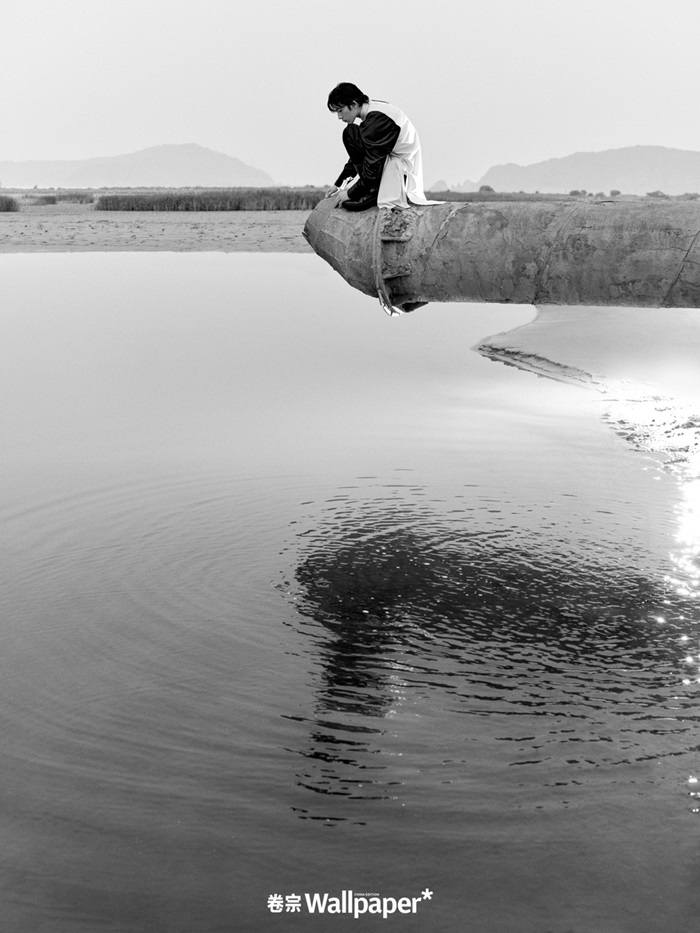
point(344, 94)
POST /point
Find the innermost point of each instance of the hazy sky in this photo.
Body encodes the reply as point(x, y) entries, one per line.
point(485, 82)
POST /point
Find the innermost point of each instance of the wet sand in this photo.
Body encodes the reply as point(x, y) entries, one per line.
point(79, 228)
point(643, 361)
point(659, 347)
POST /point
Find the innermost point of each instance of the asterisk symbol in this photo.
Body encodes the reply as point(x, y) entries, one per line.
point(427, 894)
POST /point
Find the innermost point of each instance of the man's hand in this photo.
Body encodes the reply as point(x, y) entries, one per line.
point(342, 196)
point(331, 191)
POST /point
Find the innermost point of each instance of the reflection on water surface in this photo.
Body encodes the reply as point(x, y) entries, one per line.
point(554, 645)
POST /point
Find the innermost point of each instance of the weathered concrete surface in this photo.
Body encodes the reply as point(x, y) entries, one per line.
point(642, 252)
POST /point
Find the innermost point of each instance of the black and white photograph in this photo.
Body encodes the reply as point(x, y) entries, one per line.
point(350, 466)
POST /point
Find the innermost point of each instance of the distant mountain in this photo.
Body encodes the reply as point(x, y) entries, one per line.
point(631, 170)
point(441, 185)
point(176, 166)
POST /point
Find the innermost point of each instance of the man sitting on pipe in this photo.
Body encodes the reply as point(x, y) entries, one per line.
point(385, 165)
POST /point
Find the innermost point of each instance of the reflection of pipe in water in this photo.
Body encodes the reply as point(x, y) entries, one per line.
point(387, 586)
point(380, 591)
point(553, 250)
point(397, 601)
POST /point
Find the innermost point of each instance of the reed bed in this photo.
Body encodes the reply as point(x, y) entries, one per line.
point(75, 197)
point(41, 199)
point(537, 196)
point(494, 196)
point(209, 199)
point(7, 203)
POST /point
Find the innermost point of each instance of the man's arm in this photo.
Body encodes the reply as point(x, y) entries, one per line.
point(348, 172)
point(379, 134)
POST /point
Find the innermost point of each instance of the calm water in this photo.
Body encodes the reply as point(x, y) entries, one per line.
point(297, 598)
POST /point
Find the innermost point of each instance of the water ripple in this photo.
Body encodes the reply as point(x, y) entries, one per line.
point(564, 648)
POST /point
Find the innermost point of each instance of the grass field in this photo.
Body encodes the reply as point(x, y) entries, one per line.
point(245, 199)
point(208, 199)
point(481, 196)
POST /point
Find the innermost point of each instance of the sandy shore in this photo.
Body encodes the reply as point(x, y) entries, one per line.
point(642, 361)
point(78, 228)
point(594, 345)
